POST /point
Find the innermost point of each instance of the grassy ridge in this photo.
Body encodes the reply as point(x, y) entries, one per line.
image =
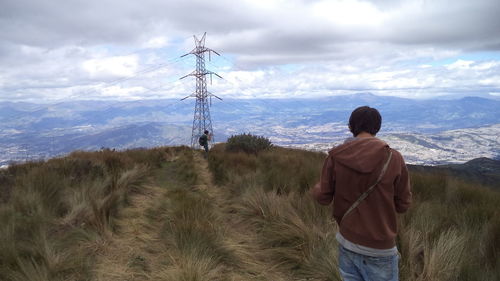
point(254, 221)
point(452, 231)
point(267, 192)
point(56, 215)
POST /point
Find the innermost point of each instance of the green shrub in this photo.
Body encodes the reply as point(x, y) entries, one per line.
point(248, 143)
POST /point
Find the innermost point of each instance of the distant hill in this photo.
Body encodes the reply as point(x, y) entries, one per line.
point(34, 131)
point(482, 170)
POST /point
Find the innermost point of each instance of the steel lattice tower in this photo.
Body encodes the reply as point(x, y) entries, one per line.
point(201, 120)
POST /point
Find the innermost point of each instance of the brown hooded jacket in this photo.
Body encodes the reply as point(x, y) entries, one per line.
point(347, 173)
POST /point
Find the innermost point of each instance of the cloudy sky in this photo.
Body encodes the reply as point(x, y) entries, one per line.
point(55, 50)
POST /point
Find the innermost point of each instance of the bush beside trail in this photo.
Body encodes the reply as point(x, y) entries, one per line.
point(248, 143)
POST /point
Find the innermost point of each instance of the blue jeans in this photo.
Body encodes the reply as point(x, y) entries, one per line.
point(357, 267)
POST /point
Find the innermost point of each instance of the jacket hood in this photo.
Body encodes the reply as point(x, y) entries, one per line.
point(363, 155)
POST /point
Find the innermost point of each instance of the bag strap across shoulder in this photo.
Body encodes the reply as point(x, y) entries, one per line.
point(370, 189)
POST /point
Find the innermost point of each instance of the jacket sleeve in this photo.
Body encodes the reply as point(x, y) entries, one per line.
point(324, 190)
point(402, 190)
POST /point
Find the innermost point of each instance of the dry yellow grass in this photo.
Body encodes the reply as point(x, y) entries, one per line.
point(135, 252)
point(242, 217)
point(57, 216)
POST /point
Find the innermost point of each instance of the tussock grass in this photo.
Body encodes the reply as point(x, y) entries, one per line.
point(192, 230)
point(445, 233)
point(450, 232)
point(293, 233)
point(56, 215)
point(193, 236)
point(258, 222)
point(292, 236)
point(279, 169)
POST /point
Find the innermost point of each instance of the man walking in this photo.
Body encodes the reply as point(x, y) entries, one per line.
point(203, 140)
point(368, 183)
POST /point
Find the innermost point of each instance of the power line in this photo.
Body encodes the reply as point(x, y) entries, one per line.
point(143, 71)
point(112, 83)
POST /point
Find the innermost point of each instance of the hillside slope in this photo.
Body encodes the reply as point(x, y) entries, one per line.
point(482, 171)
point(169, 214)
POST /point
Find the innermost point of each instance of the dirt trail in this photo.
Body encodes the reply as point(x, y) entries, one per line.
point(134, 252)
point(205, 180)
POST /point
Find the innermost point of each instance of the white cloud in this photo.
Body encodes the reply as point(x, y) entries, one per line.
point(460, 64)
point(493, 81)
point(336, 46)
point(111, 66)
point(353, 13)
point(156, 42)
point(486, 65)
point(129, 93)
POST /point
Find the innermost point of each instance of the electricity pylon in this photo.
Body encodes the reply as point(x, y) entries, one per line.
point(202, 120)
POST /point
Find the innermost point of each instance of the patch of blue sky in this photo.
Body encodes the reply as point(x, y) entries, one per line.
point(179, 41)
point(217, 62)
point(291, 68)
point(476, 57)
point(186, 62)
point(168, 53)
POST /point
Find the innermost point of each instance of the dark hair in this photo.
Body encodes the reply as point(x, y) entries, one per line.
point(206, 132)
point(365, 119)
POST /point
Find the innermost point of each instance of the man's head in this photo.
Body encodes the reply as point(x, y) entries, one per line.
point(365, 119)
point(206, 132)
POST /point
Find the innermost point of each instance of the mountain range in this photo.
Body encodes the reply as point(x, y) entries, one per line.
point(432, 131)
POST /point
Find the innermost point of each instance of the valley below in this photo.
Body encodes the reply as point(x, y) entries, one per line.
point(427, 132)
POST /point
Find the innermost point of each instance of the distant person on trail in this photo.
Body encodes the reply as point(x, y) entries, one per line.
point(368, 184)
point(204, 139)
